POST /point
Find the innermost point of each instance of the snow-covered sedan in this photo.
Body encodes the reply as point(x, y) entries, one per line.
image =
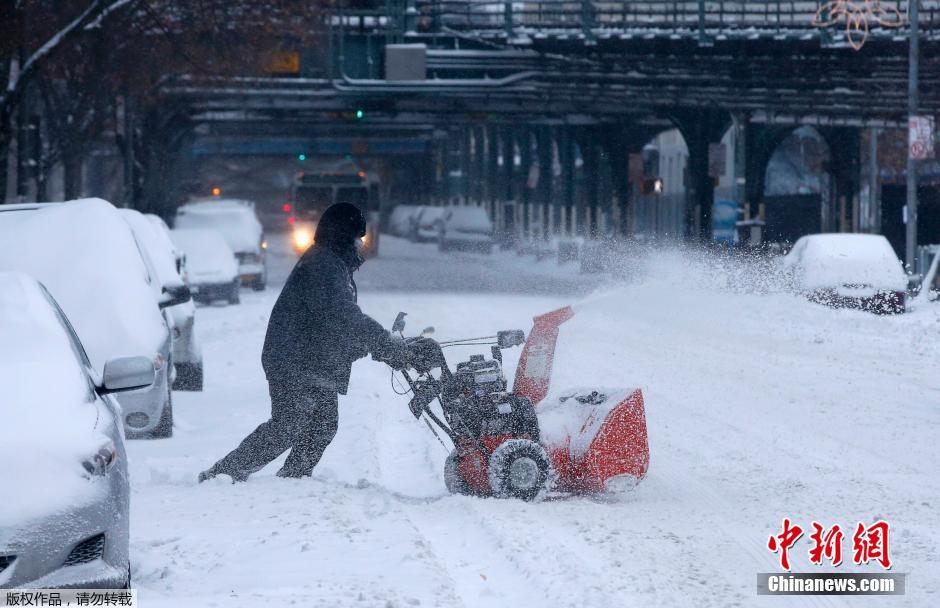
point(86, 256)
point(173, 294)
point(187, 352)
point(466, 228)
point(64, 513)
point(237, 223)
point(211, 266)
point(848, 271)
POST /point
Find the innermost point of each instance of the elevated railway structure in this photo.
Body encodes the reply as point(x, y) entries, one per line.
point(512, 100)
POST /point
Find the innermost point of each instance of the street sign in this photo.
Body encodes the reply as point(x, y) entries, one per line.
point(724, 220)
point(920, 137)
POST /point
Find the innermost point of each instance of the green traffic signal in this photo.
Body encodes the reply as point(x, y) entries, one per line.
point(360, 114)
point(301, 156)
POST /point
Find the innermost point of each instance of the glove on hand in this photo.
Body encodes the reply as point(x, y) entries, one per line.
point(393, 352)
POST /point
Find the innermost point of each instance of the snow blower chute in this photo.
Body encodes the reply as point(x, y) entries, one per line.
point(520, 442)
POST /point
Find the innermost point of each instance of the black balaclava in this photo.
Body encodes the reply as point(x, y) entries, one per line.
point(339, 227)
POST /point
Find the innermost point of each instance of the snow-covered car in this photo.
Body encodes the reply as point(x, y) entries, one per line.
point(86, 256)
point(847, 271)
point(174, 295)
point(237, 222)
point(187, 352)
point(211, 266)
point(465, 228)
point(425, 226)
point(401, 220)
point(64, 514)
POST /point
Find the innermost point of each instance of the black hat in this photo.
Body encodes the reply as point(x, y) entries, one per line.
point(340, 225)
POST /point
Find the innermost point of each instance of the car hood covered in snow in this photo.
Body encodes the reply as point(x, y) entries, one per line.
point(47, 413)
point(468, 219)
point(208, 256)
point(86, 256)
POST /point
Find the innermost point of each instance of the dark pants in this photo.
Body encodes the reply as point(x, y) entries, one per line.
point(302, 420)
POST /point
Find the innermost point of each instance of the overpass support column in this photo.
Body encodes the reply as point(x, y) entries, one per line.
point(544, 186)
point(619, 158)
point(567, 157)
point(845, 150)
point(590, 150)
point(507, 226)
point(700, 130)
point(525, 157)
point(479, 165)
point(466, 165)
point(557, 136)
point(492, 171)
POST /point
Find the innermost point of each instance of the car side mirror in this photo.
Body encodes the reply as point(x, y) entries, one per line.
point(177, 295)
point(399, 324)
point(127, 374)
point(510, 337)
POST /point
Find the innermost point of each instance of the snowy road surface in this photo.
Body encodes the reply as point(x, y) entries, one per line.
point(759, 407)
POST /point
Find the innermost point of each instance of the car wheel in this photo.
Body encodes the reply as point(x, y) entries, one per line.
point(188, 377)
point(442, 245)
point(164, 428)
point(259, 285)
point(234, 297)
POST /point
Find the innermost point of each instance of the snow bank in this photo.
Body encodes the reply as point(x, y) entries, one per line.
point(208, 256)
point(47, 414)
point(234, 219)
point(86, 256)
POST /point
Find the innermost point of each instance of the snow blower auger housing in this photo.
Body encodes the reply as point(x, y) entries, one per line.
point(501, 445)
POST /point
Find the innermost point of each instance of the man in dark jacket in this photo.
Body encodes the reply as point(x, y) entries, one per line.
point(315, 333)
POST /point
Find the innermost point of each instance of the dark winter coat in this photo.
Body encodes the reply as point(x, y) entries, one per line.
point(316, 329)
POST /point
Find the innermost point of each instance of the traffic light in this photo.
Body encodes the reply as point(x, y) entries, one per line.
point(301, 156)
point(360, 114)
point(216, 191)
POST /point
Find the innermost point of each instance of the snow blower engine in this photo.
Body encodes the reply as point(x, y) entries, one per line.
point(495, 433)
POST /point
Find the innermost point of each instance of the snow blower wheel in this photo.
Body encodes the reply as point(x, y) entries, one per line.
point(518, 468)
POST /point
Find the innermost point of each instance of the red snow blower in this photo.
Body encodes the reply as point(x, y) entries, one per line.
point(518, 443)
